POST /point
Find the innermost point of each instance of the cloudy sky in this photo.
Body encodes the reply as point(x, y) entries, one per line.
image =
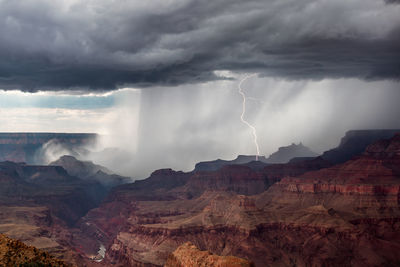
point(163, 75)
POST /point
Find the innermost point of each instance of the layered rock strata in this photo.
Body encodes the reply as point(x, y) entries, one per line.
point(346, 214)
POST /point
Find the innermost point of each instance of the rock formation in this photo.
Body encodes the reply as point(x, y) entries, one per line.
point(303, 213)
point(40, 204)
point(68, 197)
point(352, 144)
point(89, 171)
point(286, 153)
point(350, 211)
point(189, 255)
point(283, 155)
point(78, 168)
point(202, 207)
point(215, 165)
point(16, 253)
point(345, 214)
point(355, 142)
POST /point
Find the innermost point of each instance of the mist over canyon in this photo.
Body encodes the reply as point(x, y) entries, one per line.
point(177, 127)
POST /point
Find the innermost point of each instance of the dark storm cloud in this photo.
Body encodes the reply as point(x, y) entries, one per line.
point(58, 45)
point(392, 1)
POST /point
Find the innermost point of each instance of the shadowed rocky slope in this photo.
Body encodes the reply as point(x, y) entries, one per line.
point(68, 197)
point(40, 204)
point(89, 171)
point(16, 253)
point(355, 142)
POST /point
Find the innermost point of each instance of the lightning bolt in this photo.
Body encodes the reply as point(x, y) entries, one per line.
point(253, 129)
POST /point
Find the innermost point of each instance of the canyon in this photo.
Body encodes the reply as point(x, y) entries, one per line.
point(308, 212)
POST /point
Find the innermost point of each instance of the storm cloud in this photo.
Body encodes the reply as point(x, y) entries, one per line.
point(105, 45)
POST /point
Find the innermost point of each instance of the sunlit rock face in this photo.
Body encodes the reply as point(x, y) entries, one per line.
point(189, 255)
point(40, 148)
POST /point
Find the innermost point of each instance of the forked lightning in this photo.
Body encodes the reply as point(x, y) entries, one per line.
point(253, 129)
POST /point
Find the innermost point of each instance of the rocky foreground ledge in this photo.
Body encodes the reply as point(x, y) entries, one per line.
point(16, 253)
point(189, 255)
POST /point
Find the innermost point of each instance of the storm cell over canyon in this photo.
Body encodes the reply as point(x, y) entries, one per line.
point(158, 80)
point(196, 133)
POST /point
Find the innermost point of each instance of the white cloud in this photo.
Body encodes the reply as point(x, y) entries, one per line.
point(51, 120)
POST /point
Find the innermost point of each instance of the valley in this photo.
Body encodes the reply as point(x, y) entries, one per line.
point(306, 212)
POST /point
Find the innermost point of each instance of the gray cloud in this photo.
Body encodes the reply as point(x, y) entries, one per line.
point(103, 45)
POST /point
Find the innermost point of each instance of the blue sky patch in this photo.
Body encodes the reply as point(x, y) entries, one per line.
point(12, 100)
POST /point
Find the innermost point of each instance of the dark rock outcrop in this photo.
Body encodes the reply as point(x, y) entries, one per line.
point(78, 168)
point(89, 171)
point(355, 142)
point(156, 187)
point(283, 155)
point(67, 197)
point(286, 153)
point(215, 165)
point(275, 172)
